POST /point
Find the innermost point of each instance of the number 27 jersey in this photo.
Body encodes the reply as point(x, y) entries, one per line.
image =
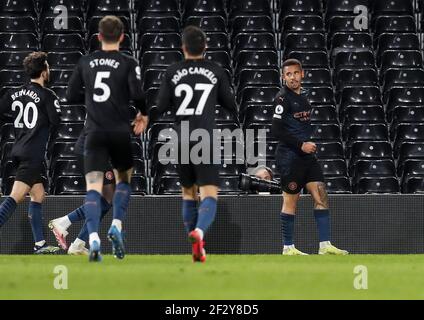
point(193, 89)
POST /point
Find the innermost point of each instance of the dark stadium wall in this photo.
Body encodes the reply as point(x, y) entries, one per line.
point(245, 225)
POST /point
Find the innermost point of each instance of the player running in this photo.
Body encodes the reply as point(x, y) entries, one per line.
point(111, 79)
point(193, 88)
point(36, 113)
point(296, 160)
point(60, 225)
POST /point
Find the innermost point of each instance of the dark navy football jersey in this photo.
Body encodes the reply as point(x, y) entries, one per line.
point(35, 112)
point(109, 80)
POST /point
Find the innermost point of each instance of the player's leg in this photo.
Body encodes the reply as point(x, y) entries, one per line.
point(120, 151)
point(189, 209)
point(35, 215)
point(78, 246)
point(17, 195)
point(96, 159)
point(121, 201)
point(316, 187)
point(291, 184)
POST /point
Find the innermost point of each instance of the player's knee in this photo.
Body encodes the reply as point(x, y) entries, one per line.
point(17, 196)
point(190, 193)
point(208, 192)
point(37, 197)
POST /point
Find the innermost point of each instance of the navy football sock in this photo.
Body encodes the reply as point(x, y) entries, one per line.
point(35, 216)
point(7, 207)
point(92, 209)
point(83, 235)
point(207, 213)
point(190, 214)
point(77, 215)
point(322, 218)
point(287, 228)
point(121, 200)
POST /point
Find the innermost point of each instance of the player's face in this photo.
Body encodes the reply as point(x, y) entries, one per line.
point(292, 76)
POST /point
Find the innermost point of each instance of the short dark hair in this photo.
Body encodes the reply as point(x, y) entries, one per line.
point(292, 62)
point(111, 28)
point(35, 63)
point(194, 39)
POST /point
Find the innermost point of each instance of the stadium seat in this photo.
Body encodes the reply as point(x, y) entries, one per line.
point(408, 132)
point(66, 167)
point(352, 41)
point(302, 7)
point(403, 97)
point(221, 58)
point(324, 114)
point(320, 95)
point(396, 41)
point(394, 24)
point(12, 59)
point(13, 77)
point(63, 42)
point(355, 77)
point(204, 8)
point(8, 7)
point(400, 59)
point(161, 59)
point(337, 7)
point(367, 132)
point(238, 8)
point(208, 23)
point(369, 150)
point(158, 24)
point(253, 41)
point(168, 185)
point(365, 95)
point(138, 185)
point(73, 7)
point(329, 150)
point(60, 76)
point(396, 7)
point(310, 59)
point(414, 185)
point(341, 24)
point(229, 185)
point(253, 77)
point(338, 185)
point(74, 24)
point(333, 167)
point(217, 41)
point(165, 7)
point(407, 114)
point(69, 185)
point(160, 41)
point(375, 185)
point(104, 7)
point(246, 24)
point(18, 24)
point(410, 150)
point(64, 59)
point(304, 42)
point(353, 59)
point(258, 113)
point(18, 42)
point(69, 130)
point(303, 24)
point(73, 113)
point(153, 78)
point(363, 114)
point(373, 168)
point(326, 132)
point(257, 95)
point(402, 77)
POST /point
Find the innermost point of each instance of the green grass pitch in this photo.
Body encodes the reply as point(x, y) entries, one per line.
point(221, 277)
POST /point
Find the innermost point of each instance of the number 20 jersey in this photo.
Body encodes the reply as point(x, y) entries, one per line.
point(109, 80)
point(34, 110)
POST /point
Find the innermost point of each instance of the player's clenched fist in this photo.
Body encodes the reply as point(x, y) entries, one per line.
point(309, 147)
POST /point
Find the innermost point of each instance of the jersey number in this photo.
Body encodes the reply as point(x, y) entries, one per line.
point(24, 113)
point(102, 86)
point(183, 110)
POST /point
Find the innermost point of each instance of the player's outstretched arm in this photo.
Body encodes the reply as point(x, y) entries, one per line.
point(226, 96)
point(163, 101)
point(75, 91)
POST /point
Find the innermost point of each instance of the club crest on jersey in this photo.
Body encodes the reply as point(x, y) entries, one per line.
point(109, 175)
point(292, 186)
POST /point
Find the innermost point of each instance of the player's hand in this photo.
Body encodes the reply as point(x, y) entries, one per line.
point(309, 147)
point(140, 124)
